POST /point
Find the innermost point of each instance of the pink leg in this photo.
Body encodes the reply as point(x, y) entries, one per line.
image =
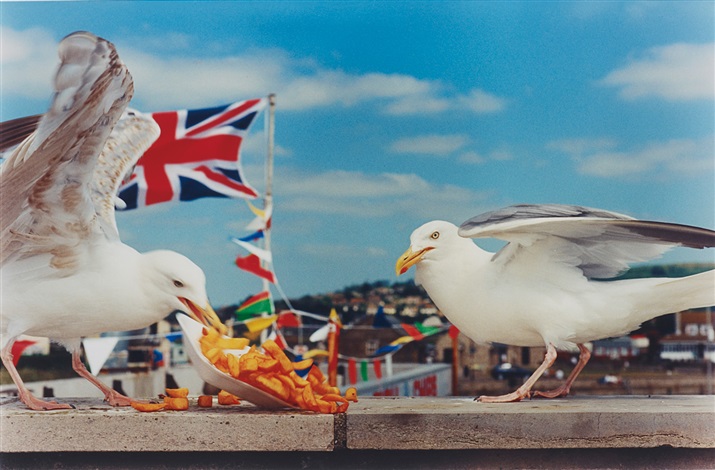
point(27, 398)
point(524, 391)
point(113, 397)
point(564, 389)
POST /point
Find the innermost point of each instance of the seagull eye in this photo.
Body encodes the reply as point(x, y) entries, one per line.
point(178, 283)
point(434, 236)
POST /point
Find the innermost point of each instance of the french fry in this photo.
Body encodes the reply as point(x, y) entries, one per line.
point(176, 404)
point(302, 365)
point(213, 354)
point(233, 366)
point(147, 407)
point(273, 350)
point(273, 386)
point(231, 343)
point(205, 401)
point(226, 398)
point(267, 364)
point(177, 392)
point(328, 407)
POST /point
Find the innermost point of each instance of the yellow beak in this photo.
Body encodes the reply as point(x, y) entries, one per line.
point(408, 259)
point(205, 315)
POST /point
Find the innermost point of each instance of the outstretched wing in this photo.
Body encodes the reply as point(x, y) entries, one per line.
point(600, 243)
point(46, 204)
point(16, 130)
point(131, 137)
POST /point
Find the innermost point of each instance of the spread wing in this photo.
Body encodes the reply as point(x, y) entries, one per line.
point(47, 194)
point(130, 138)
point(15, 131)
point(600, 243)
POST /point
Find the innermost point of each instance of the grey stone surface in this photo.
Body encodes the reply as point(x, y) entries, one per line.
point(575, 422)
point(382, 424)
point(94, 426)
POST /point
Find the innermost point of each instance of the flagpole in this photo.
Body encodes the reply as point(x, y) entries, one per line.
point(268, 197)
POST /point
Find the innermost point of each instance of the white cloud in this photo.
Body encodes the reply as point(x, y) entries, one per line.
point(676, 72)
point(28, 60)
point(433, 144)
point(581, 146)
point(481, 102)
point(171, 80)
point(660, 159)
point(362, 195)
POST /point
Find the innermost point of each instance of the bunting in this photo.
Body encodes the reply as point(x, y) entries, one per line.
point(97, 351)
point(252, 264)
point(363, 371)
point(255, 305)
point(377, 365)
point(411, 330)
point(352, 371)
point(18, 347)
point(264, 255)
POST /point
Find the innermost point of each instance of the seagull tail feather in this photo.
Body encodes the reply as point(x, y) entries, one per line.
point(696, 291)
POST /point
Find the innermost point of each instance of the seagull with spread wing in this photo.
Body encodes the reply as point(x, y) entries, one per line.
point(547, 286)
point(64, 272)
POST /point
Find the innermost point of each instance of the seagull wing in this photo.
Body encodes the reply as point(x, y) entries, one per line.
point(46, 202)
point(130, 138)
point(600, 243)
point(16, 130)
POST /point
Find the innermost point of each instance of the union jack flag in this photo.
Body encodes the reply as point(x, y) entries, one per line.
point(196, 155)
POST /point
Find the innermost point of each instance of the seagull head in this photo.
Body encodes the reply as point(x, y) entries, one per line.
point(182, 285)
point(431, 241)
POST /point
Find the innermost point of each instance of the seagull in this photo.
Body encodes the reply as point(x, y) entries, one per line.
point(64, 272)
point(550, 284)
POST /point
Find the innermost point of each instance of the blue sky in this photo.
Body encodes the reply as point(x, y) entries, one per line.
point(391, 114)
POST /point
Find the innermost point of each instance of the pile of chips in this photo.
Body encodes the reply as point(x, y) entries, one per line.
point(273, 372)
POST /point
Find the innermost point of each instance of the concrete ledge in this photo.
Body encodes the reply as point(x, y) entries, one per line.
point(574, 422)
point(383, 424)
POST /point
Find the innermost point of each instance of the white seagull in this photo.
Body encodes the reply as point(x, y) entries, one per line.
point(547, 286)
point(64, 272)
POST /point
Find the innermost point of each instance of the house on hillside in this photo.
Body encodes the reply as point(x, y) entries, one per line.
point(693, 339)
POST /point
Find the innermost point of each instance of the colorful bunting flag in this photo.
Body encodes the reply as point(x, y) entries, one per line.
point(252, 264)
point(278, 337)
point(97, 351)
point(377, 365)
point(264, 255)
point(321, 334)
point(18, 347)
point(352, 371)
point(363, 371)
point(288, 320)
point(453, 331)
point(257, 235)
point(315, 353)
point(260, 323)
point(402, 340)
point(254, 305)
point(386, 349)
point(412, 331)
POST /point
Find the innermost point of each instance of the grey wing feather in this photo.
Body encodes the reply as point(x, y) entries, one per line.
point(600, 243)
